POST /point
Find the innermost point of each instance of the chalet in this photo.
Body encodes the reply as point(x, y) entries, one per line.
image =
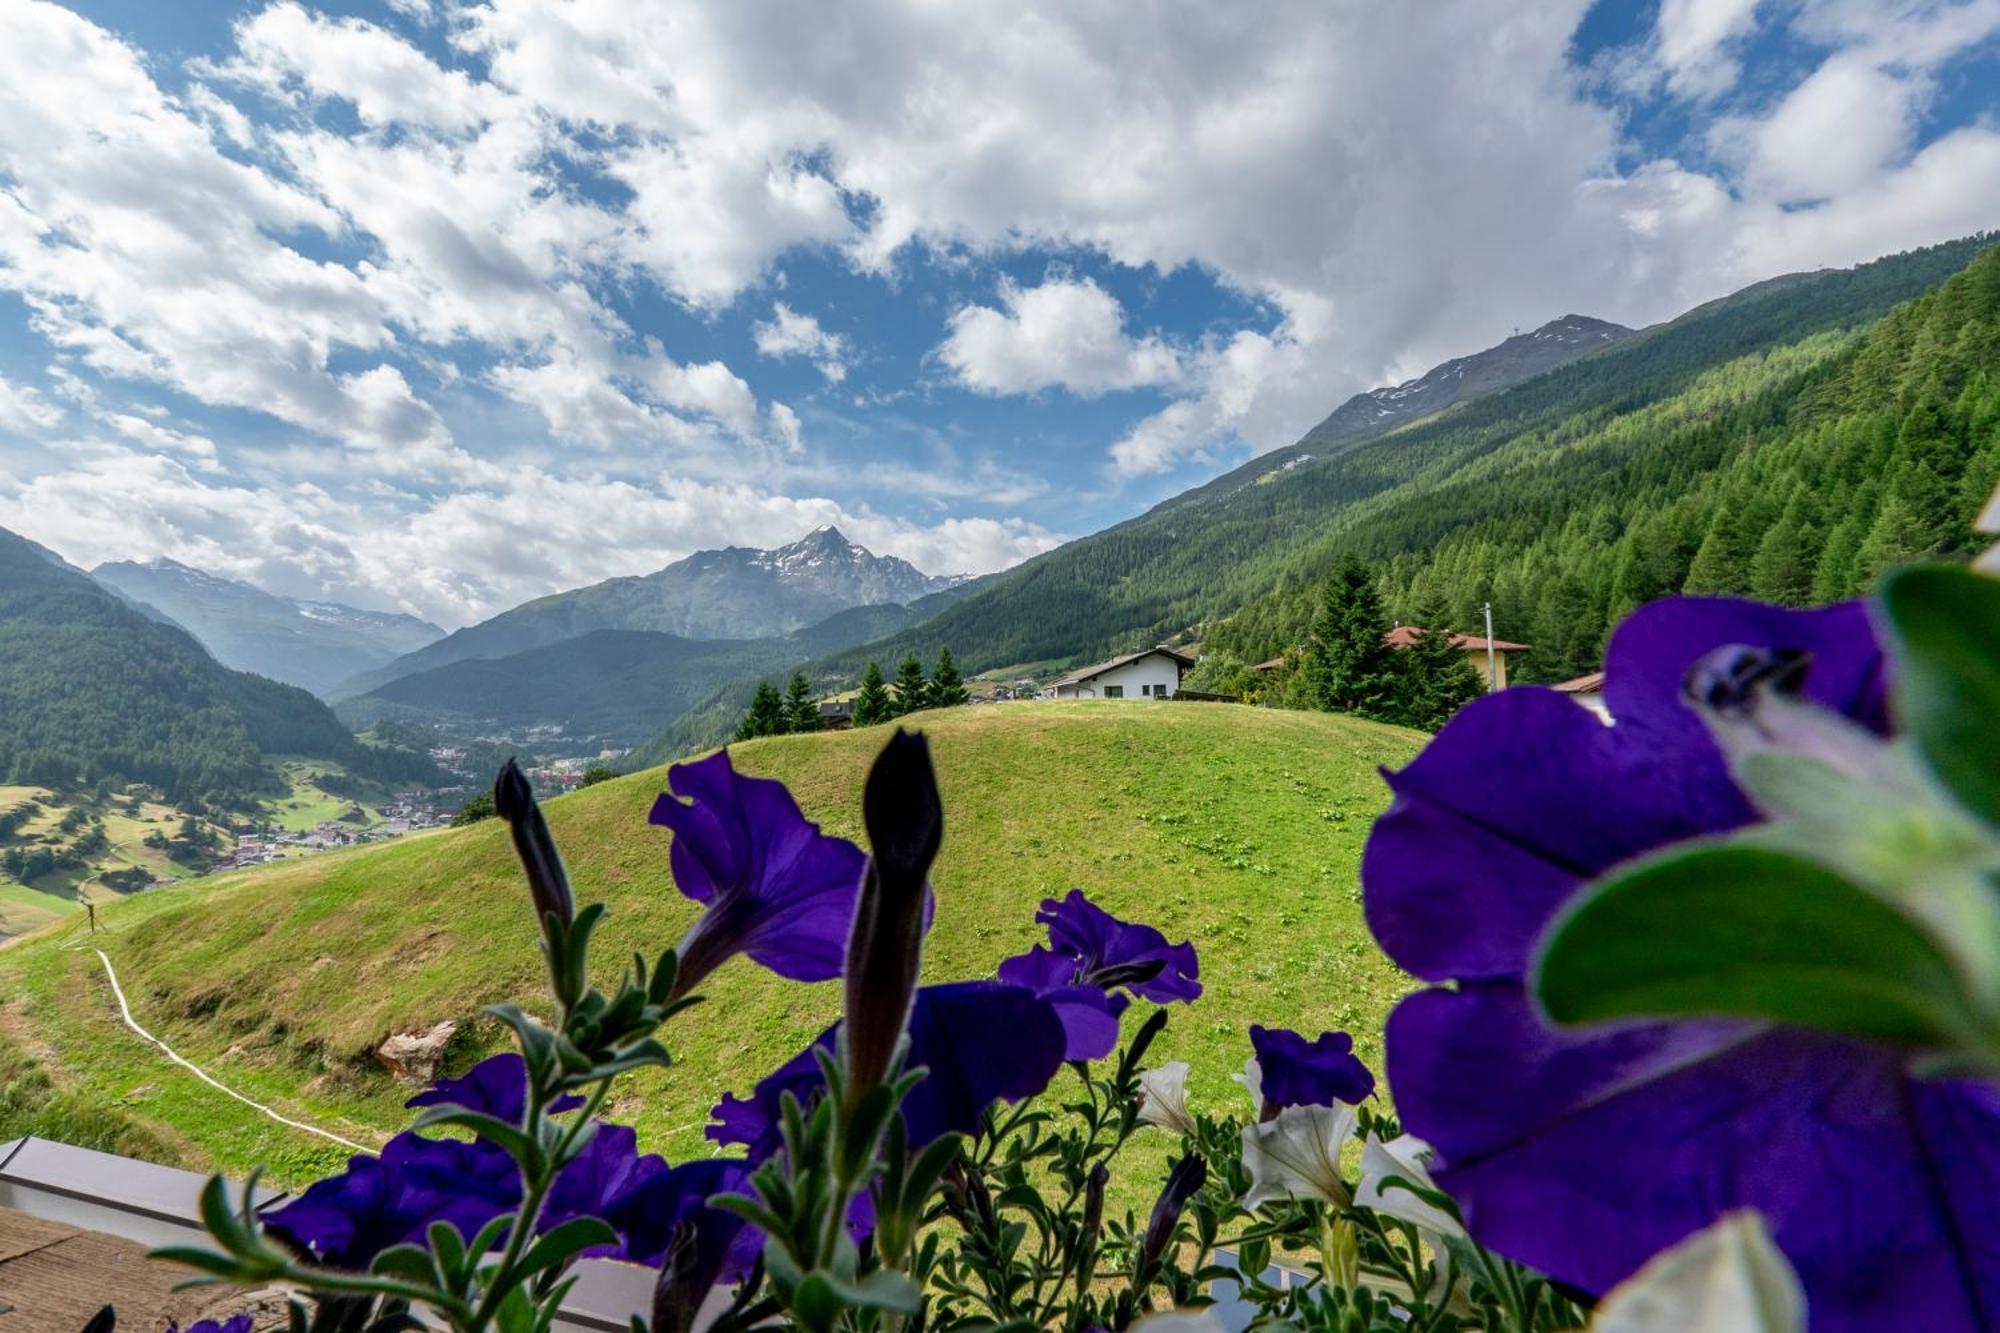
point(836, 715)
point(1588, 691)
point(1154, 673)
point(1472, 645)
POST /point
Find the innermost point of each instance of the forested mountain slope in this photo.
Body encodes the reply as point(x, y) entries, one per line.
point(1182, 564)
point(1796, 475)
point(91, 688)
point(1251, 553)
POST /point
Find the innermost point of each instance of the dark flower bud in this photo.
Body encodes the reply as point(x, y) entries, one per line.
point(677, 1296)
point(1093, 1206)
point(1733, 677)
point(1183, 1182)
point(514, 799)
point(885, 944)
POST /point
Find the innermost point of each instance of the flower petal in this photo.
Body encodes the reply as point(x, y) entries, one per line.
point(1295, 1072)
point(776, 887)
point(981, 1041)
point(1297, 1155)
point(1585, 1154)
point(1520, 799)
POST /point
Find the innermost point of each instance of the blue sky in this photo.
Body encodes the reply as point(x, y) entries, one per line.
point(441, 305)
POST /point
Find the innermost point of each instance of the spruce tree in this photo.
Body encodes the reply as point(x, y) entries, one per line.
point(912, 690)
point(873, 704)
point(1346, 666)
point(1433, 679)
point(1782, 569)
point(947, 687)
point(801, 709)
point(766, 716)
point(1721, 562)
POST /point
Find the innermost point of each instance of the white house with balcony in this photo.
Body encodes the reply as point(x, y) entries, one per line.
point(1154, 673)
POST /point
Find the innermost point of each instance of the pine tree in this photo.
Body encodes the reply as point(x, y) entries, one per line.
point(873, 704)
point(1433, 679)
point(947, 686)
point(912, 690)
point(801, 709)
point(766, 716)
point(1721, 562)
point(1833, 574)
point(1782, 569)
point(1346, 666)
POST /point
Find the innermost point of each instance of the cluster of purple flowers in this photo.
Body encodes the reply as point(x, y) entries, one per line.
point(777, 889)
point(394, 1197)
point(1585, 1152)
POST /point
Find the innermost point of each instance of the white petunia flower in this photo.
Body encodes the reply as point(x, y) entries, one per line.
point(1404, 1157)
point(1726, 1278)
point(1252, 1079)
point(1163, 1098)
point(1297, 1155)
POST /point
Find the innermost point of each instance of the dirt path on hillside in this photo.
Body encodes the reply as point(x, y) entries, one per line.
point(125, 1011)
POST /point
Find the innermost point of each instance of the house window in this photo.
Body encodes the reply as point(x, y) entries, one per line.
point(1114, 691)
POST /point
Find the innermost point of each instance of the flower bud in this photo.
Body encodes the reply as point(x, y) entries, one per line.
point(1095, 1207)
point(1183, 1182)
point(675, 1298)
point(514, 799)
point(905, 822)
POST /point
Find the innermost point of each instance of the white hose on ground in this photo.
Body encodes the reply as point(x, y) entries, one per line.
point(202, 1074)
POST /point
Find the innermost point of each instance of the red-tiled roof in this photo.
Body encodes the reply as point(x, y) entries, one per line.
point(1404, 635)
point(1589, 684)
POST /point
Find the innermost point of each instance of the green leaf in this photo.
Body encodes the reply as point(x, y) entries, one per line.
point(514, 1141)
point(1944, 625)
point(411, 1262)
point(1747, 931)
point(561, 1243)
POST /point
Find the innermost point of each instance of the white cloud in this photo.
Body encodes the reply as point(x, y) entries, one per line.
point(1066, 333)
point(789, 333)
point(1830, 136)
point(1692, 39)
point(1385, 186)
point(384, 78)
point(23, 409)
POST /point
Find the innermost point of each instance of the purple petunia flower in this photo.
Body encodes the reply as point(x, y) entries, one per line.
point(1090, 956)
point(1288, 1070)
point(646, 1214)
point(496, 1086)
point(241, 1323)
point(981, 1042)
point(348, 1219)
point(1583, 1153)
point(775, 887)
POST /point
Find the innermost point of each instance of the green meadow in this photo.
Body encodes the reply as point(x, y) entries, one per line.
point(1238, 828)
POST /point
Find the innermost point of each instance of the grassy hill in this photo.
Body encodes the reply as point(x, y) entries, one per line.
point(1239, 828)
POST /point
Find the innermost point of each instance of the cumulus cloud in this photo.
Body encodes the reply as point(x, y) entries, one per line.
point(23, 409)
point(1065, 333)
point(1693, 40)
point(789, 333)
point(423, 272)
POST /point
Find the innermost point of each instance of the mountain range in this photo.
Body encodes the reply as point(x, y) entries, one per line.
point(315, 645)
point(92, 688)
point(1563, 499)
point(734, 593)
point(1787, 441)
